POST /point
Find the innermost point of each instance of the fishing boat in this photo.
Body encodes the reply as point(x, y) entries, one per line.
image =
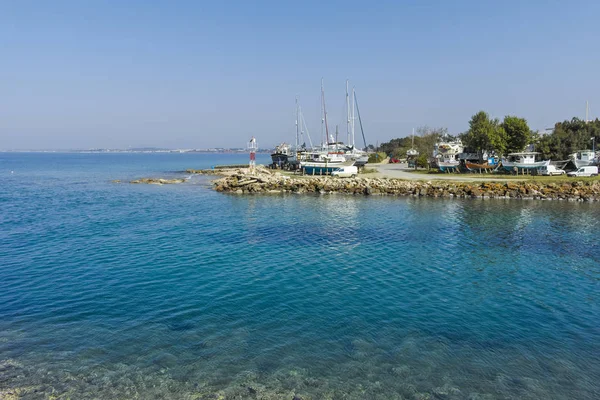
point(472, 162)
point(523, 161)
point(583, 158)
point(446, 155)
point(476, 166)
point(282, 154)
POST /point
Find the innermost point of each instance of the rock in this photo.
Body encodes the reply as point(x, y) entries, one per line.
point(158, 181)
point(241, 181)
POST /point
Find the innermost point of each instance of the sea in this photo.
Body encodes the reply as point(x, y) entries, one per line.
point(119, 291)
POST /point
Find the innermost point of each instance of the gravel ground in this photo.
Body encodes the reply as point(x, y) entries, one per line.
point(402, 171)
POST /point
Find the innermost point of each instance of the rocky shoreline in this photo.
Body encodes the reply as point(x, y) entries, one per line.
point(156, 181)
point(264, 181)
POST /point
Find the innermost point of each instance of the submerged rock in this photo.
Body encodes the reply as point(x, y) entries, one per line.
point(158, 181)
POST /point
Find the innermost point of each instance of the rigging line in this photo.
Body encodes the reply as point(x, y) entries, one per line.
point(306, 127)
point(325, 116)
point(360, 121)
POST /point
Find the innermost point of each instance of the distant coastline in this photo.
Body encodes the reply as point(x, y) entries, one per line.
point(216, 150)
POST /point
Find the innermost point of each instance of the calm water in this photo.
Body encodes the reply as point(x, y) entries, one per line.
point(140, 291)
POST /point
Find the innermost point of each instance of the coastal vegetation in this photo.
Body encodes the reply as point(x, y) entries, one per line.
point(377, 157)
point(492, 136)
point(424, 140)
point(568, 137)
point(501, 137)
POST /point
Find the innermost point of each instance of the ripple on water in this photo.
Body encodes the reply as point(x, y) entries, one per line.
point(119, 291)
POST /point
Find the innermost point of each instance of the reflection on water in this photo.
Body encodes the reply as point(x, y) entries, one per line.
point(179, 292)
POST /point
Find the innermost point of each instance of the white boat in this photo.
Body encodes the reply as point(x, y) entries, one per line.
point(412, 152)
point(525, 160)
point(349, 151)
point(584, 158)
point(322, 163)
point(446, 155)
point(333, 153)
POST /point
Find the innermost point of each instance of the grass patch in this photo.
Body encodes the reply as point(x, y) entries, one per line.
point(368, 170)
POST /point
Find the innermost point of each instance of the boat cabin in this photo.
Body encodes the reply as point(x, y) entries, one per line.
point(584, 155)
point(522, 158)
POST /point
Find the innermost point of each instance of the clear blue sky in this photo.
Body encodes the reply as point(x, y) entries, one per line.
point(181, 74)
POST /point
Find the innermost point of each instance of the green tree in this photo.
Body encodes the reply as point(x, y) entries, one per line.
point(424, 140)
point(422, 161)
point(518, 134)
point(485, 135)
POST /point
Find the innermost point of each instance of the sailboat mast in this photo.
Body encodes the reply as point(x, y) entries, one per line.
point(297, 123)
point(324, 113)
point(353, 120)
point(360, 121)
point(347, 115)
point(587, 109)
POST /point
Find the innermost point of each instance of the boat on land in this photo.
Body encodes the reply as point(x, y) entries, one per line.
point(476, 167)
point(349, 150)
point(523, 161)
point(446, 155)
point(412, 154)
point(319, 163)
point(473, 162)
point(282, 155)
point(334, 153)
point(583, 158)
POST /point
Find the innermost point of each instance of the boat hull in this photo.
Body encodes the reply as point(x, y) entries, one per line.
point(360, 161)
point(447, 166)
point(477, 167)
point(279, 159)
point(322, 168)
point(510, 166)
point(583, 163)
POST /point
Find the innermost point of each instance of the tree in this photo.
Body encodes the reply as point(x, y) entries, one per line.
point(518, 134)
point(485, 135)
point(424, 140)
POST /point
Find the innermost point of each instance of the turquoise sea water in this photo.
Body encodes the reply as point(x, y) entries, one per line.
point(141, 291)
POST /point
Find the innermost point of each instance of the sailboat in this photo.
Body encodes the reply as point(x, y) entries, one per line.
point(324, 160)
point(412, 153)
point(360, 157)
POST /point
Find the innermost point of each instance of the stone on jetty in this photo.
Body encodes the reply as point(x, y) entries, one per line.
point(243, 182)
point(261, 170)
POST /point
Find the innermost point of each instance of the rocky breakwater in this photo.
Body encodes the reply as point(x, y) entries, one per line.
point(278, 183)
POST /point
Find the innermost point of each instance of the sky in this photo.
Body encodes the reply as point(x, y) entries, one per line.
point(198, 74)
